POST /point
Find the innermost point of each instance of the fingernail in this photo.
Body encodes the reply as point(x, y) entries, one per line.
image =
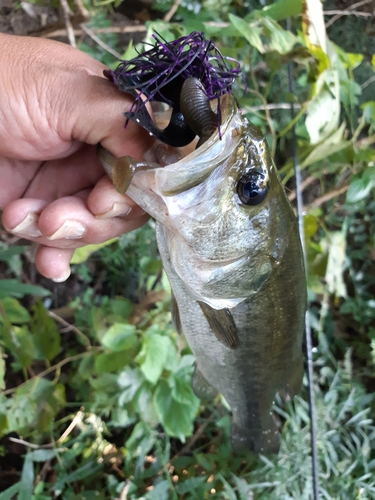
point(63, 277)
point(70, 230)
point(118, 210)
point(29, 226)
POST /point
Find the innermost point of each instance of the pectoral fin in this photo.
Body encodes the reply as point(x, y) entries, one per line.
point(176, 321)
point(202, 389)
point(222, 325)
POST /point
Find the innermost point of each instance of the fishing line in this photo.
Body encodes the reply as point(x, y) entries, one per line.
point(308, 338)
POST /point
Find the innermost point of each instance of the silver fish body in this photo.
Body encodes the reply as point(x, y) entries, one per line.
point(232, 266)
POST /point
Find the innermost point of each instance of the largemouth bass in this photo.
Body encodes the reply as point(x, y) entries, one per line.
point(229, 243)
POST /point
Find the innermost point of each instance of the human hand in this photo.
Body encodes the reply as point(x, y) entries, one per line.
point(55, 107)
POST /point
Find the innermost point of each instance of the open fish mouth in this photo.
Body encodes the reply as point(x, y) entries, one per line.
point(169, 172)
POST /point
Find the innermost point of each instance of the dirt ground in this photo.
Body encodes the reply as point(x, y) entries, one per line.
point(17, 18)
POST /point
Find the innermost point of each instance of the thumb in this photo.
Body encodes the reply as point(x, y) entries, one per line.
point(97, 115)
point(82, 105)
point(56, 95)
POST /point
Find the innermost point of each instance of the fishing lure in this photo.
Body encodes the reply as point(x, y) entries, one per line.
point(160, 73)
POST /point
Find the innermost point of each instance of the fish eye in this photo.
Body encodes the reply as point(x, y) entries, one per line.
point(252, 189)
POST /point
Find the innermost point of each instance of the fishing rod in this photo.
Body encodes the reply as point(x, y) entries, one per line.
point(308, 337)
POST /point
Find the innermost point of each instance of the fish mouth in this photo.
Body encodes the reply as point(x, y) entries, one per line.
point(177, 170)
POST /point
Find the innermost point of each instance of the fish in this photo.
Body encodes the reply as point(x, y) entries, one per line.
point(229, 243)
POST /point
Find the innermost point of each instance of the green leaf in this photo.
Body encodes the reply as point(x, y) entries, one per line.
point(82, 495)
point(16, 314)
point(46, 336)
point(38, 491)
point(130, 52)
point(180, 381)
point(185, 365)
point(310, 225)
point(249, 31)
point(19, 341)
point(121, 308)
point(120, 337)
point(86, 471)
point(282, 9)
point(190, 485)
point(350, 60)
point(3, 423)
point(322, 116)
point(107, 362)
point(350, 91)
point(354, 60)
point(212, 30)
point(368, 174)
point(2, 370)
point(130, 381)
point(330, 145)
point(107, 383)
point(120, 417)
point(314, 25)
point(35, 404)
point(369, 112)
point(16, 289)
point(150, 266)
point(361, 185)
point(336, 263)
point(358, 190)
point(177, 418)
point(9, 494)
point(230, 492)
point(27, 479)
point(160, 492)
point(281, 41)
point(83, 253)
point(141, 440)
point(182, 391)
point(154, 353)
point(144, 405)
point(43, 455)
point(7, 254)
point(172, 359)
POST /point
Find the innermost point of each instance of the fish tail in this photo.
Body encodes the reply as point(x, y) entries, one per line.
point(261, 436)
